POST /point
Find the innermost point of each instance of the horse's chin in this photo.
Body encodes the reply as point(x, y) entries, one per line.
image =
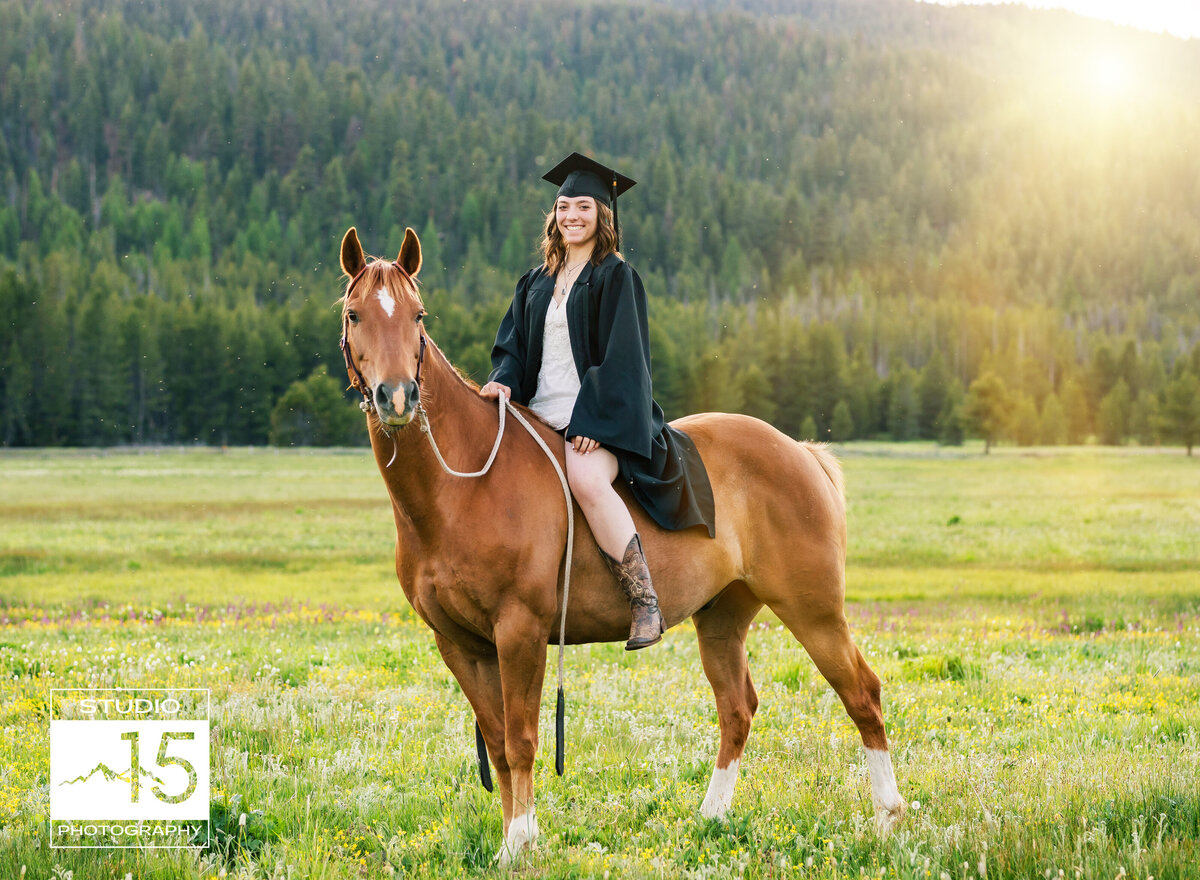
point(395, 421)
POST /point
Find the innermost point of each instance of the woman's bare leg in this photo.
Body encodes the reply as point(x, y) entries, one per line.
point(591, 478)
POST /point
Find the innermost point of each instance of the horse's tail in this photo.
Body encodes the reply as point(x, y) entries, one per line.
point(829, 463)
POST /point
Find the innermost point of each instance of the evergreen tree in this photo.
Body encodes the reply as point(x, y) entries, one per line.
point(843, 423)
point(16, 393)
point(1024, 424)
point(1180, 413)
point(198, 244)
point(515, 255)
point(1103, 373)
point(827, 357)
point(1143, 419)
point(313, 412)
point(903, 413)
point(101, 374)
point(1052, 430)
point(987, 408)
point(1075, 405)
point(756, 393)
point(733, 268)
point(788, 365)
point(952, 423)
point(1113, 418)
point(714, 387)
point(10, 231)
point(932, 390)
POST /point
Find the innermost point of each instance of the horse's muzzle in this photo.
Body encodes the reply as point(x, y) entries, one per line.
point(395, 403)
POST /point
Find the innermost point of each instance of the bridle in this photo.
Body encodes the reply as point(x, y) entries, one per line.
point(367, 404)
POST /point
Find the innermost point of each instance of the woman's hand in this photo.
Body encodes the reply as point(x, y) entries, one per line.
point(494, 390)
point(584, 445)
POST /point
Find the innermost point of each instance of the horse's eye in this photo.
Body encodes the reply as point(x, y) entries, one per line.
point(422, 316)
point(352, 316)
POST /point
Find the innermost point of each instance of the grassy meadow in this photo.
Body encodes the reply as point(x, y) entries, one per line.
point(1034, 615)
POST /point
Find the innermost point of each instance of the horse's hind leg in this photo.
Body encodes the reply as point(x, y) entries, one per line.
point(721, 630)
point(826, 637)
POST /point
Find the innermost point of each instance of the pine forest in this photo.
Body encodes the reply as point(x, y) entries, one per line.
point(865, 219)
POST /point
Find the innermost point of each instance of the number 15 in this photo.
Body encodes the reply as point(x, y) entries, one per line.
point(163, 760)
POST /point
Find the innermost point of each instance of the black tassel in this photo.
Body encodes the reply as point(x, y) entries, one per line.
point(560, 713)
point(485, 772)
point(616, 223)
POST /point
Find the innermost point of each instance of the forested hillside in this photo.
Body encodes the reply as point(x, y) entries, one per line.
point(846, 213)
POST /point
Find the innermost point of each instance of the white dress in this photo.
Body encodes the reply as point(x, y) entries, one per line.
point(558, 380)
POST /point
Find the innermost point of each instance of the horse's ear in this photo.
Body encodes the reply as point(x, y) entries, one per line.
point(410, 253)
point(352, 253)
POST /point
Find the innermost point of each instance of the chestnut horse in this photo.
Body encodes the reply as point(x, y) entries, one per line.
point(481, 560)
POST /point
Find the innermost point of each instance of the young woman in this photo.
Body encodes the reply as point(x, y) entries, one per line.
point(574, 347)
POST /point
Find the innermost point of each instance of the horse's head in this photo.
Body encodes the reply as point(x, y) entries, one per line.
point(381, 322)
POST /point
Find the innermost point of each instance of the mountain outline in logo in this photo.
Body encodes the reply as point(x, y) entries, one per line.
point(111, 775)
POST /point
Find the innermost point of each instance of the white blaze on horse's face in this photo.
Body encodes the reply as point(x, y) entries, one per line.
point(384, 315)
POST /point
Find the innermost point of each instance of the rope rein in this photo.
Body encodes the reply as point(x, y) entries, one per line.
point(423, 419)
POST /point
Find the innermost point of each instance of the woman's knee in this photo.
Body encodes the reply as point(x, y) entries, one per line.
point(589, 476)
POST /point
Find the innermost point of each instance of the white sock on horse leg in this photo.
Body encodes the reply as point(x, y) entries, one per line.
point(720, 791)
point(522, 832)
point(889, 806)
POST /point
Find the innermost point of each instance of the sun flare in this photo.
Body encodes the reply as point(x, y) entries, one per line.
point(1109, 73)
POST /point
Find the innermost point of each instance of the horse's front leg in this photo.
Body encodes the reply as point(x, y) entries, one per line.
point(521, 638)
point(476, 667)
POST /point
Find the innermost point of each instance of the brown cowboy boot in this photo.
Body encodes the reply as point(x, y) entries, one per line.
point(633, 575)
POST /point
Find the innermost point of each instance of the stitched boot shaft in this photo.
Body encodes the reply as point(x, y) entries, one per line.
point(633, 575)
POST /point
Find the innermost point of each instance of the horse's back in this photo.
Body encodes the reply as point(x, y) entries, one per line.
point(741, 445)
point(779, 502)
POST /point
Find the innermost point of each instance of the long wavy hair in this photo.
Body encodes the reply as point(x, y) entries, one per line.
point(554, 248)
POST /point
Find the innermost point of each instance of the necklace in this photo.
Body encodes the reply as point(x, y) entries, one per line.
point(569, 274)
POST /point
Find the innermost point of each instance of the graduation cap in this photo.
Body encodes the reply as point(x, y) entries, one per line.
point(577, 175)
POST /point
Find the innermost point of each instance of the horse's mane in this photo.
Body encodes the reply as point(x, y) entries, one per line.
point(459, 374)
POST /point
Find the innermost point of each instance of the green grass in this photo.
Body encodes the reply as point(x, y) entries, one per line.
point(1034, 617)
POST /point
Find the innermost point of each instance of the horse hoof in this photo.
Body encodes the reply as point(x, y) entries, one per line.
point(522, 834)
point(887, 818)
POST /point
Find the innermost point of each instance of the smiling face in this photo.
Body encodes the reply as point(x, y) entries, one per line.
point(576, 218)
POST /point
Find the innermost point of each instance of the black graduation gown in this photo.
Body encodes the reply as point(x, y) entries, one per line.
point(606, 318)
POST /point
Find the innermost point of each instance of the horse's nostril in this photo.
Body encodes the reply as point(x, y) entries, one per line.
point(382, 397)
